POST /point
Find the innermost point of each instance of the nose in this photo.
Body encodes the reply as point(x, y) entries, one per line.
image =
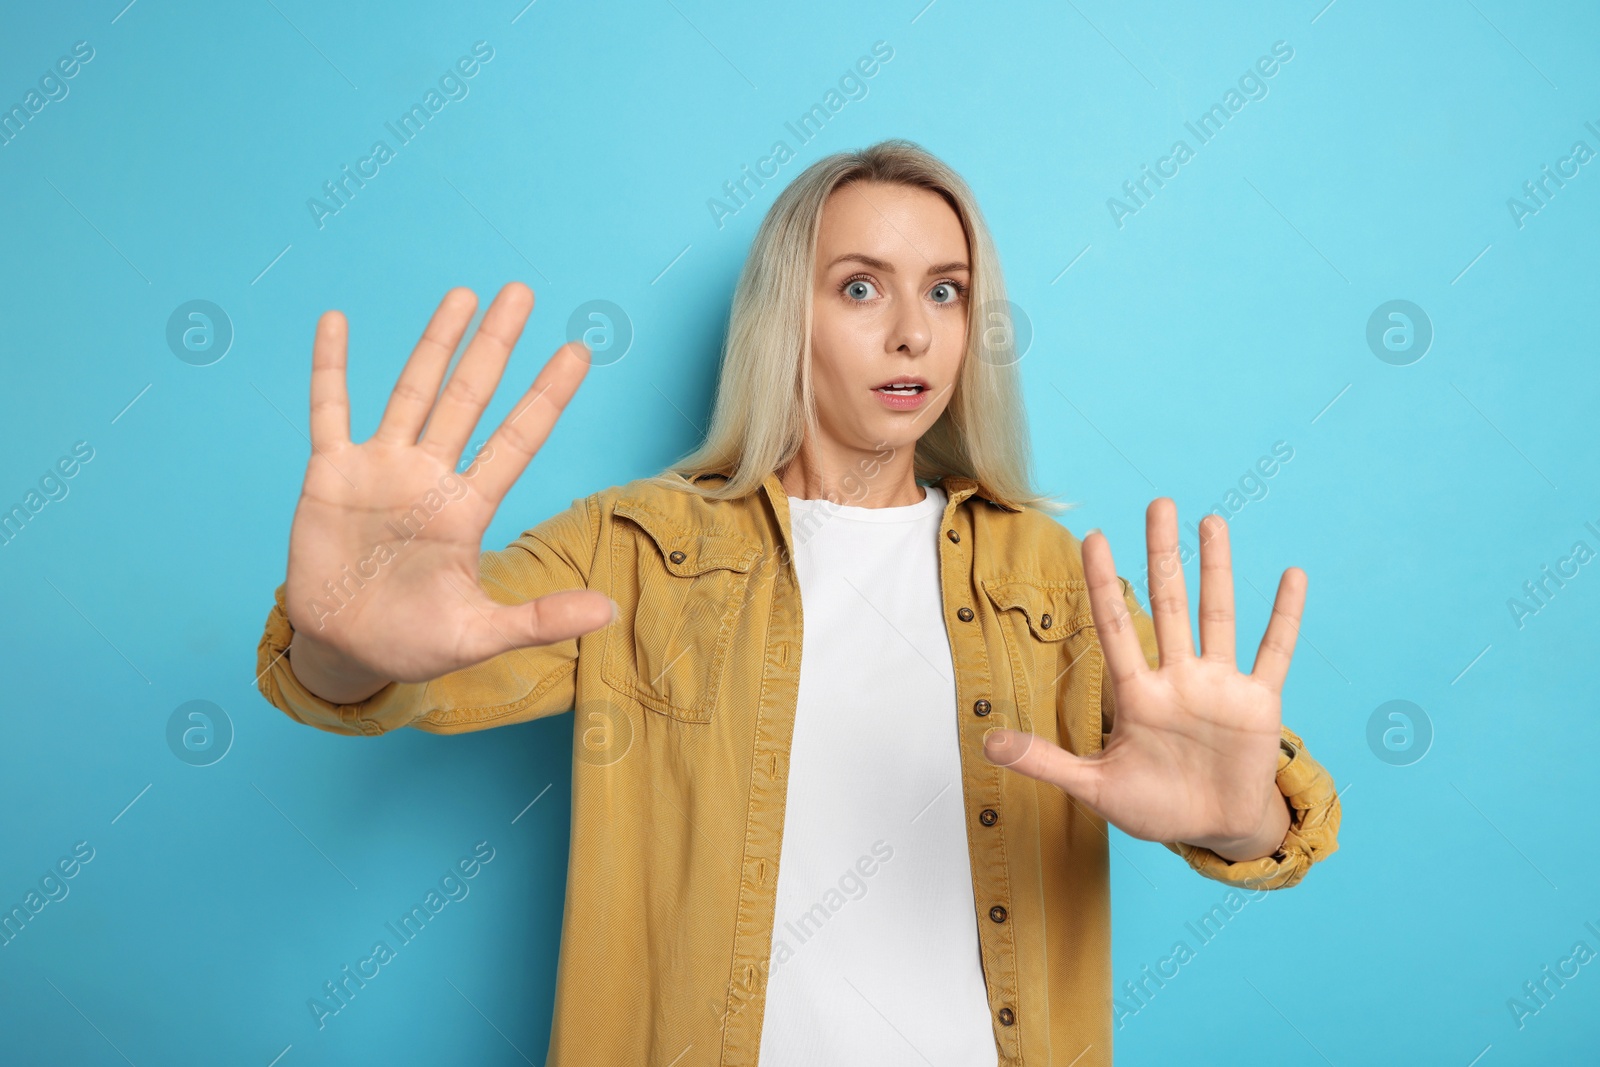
point(911, 332)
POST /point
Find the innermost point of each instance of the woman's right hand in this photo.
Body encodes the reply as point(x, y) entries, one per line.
point(383, 554)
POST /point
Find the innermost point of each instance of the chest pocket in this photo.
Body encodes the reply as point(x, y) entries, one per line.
point(678, 592)
point(1048, 631)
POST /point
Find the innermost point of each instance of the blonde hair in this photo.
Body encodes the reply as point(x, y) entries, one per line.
point(982, 433)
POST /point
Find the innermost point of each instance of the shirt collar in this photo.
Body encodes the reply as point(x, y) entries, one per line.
point(957, 487)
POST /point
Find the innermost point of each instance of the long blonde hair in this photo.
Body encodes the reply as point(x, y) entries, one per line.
point(982, 433)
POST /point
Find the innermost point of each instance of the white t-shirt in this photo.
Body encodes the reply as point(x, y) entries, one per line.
point(875, 941)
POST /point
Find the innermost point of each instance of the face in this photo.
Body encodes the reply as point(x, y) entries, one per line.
point(889, 314)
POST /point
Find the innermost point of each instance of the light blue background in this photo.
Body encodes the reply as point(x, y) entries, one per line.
point(1228, 314)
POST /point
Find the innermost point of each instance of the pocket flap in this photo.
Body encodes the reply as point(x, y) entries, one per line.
point(687, 553)
point(1055, 608)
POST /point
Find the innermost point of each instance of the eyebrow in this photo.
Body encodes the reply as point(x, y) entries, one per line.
point(888, 268)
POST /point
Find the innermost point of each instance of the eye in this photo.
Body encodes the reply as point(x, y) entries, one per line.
point(947, 292)
point(859, 289)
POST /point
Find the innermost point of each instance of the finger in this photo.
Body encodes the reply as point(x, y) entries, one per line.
point(467, 392)
point(330, 399)
point(1038, 758)
point(549, 619)
point(1113, 625)
point(1216, 590)
point(514, 442)
point(1169, 598)
point(1277, 644)
point(418, 386)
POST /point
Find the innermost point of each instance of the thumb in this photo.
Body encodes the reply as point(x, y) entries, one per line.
point(553, 618)
point(1037, 758)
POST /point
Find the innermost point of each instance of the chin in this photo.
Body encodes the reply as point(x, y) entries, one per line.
point(895, 434)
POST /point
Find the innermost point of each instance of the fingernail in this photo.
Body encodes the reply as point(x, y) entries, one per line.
point(616, 610)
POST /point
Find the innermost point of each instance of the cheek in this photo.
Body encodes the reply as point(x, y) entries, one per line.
point(830, 379)
point(836, 342)
point(952, 343)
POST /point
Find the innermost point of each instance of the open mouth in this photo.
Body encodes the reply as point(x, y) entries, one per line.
point(902, 386)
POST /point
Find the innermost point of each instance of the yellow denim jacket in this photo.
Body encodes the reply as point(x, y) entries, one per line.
point(684, 711)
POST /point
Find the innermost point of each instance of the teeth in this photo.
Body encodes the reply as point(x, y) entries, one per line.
point(900, 388)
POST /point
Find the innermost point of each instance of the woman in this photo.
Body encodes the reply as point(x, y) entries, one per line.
point(867, 457)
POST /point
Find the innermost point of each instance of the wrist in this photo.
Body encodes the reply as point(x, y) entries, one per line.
point(329, 674)
point(1266, 841)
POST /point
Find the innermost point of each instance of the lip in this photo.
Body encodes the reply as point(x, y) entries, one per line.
point(907, 401)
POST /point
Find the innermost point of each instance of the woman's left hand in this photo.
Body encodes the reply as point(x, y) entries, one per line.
point(1192, 752)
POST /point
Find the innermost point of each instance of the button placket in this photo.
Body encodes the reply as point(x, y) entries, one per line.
point(773, 728)
point(997, 951)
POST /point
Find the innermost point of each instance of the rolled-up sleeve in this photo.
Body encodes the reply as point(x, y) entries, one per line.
point(522, 684)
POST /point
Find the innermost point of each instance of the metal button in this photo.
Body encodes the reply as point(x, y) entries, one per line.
point(677, 557)
point(955, 537)
point(965, 614)
point(1044, 620)
point(1007, 1017)
point(997, 913)
point(988, 816)
point(981, 707)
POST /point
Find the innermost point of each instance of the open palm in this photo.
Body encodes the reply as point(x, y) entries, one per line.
point(383, 553)
point(1192, 750)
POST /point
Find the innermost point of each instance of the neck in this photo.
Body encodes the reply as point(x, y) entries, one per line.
point(863, 478)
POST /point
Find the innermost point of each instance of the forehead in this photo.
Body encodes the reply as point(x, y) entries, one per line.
point(897, 223)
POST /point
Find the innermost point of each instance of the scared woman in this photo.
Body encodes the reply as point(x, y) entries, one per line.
point(852, 711)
